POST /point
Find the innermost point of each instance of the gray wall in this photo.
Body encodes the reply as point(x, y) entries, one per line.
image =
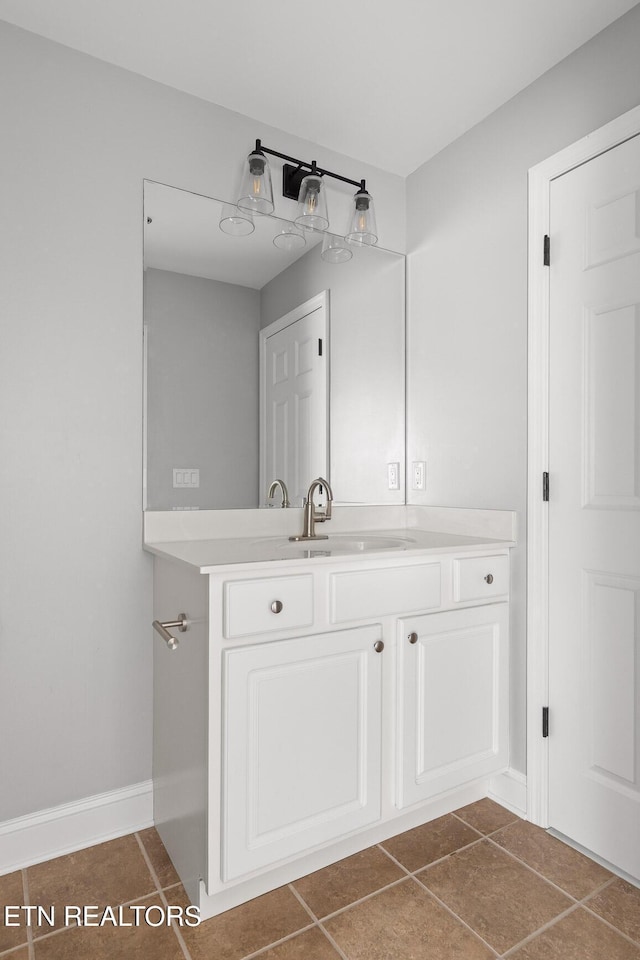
point(79, 137)
point(467, 237)
point(202, 375)
point(366, 309)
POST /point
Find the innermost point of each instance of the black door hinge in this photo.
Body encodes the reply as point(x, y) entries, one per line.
point(547, 250)
point(545, 486)
point(320, 347)
point(545, 721)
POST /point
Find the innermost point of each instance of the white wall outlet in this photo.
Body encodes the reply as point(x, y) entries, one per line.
point(393, 473)
point(418, 474)
point(185, 478)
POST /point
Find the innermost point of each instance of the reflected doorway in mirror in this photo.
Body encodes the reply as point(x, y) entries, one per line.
point(294, 397)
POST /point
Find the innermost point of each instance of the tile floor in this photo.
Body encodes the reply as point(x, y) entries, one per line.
point(473, 885)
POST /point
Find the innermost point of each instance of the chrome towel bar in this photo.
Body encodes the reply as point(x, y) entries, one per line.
point(182, 624)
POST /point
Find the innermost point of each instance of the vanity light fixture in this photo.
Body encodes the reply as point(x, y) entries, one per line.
point(256, 192)
point(236, 222)
point(291, 237)
point(363, 228)
point(335, 250)
point(312, 202)
point(303, 182)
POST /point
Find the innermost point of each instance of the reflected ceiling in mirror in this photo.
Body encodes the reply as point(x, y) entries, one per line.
point(210, 301)
point(183, 235)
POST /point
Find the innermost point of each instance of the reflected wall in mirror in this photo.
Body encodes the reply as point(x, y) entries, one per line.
point(217, 308)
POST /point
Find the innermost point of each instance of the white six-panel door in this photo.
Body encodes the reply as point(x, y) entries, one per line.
point(294, 398)
point(594, 506)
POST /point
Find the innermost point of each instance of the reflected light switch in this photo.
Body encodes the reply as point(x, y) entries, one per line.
point(393, 472)
point(186, 478)
point(418, 471)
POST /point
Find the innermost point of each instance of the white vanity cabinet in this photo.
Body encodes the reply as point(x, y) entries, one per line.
point(317, 706)
point(452, 683)
point(301, 744)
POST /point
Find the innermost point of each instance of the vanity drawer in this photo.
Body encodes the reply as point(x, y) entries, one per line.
point(262, 606)
point(389, 591)
point(480, 578)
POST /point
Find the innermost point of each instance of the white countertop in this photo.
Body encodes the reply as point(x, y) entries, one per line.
point(211, 556)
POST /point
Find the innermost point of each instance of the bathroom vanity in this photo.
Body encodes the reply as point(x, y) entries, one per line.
point(325, 696)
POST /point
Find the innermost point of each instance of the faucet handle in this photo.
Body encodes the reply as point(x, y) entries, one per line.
point(329, 494)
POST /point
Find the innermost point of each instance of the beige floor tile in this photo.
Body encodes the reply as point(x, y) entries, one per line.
point(12, 895)
point(578, 936)
point(555, 860)
point(176, 894)
point(246, 928)
point(143, 942)
point(498, 897)
point(418, 847)
point(310, 945)
point(619, 903)
point(105, 875)
point(403, 923)
point(486, 816)
point(155, 850)
point(495, 894)
point(340, 884)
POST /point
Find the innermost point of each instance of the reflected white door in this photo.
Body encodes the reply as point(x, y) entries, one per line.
point(594, 507)
point(294, 397)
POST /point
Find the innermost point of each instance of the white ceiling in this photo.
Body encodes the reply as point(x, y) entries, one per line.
point(390, 82)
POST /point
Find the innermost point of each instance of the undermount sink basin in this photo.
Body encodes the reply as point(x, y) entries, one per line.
point(338, 543)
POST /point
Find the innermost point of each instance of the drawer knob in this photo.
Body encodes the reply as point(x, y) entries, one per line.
point(489, 578)
point(378, 646)
point(276, 606)
point(413, 638)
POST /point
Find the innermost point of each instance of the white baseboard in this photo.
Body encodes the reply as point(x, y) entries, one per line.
point(72, 826)
point(510, 790)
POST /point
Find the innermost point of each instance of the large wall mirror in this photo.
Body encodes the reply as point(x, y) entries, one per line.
point(264, 363)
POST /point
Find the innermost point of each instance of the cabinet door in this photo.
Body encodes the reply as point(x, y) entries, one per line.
point(453, 700)
point(301, 745)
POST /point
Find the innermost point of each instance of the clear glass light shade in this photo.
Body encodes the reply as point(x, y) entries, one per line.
point(235, 222)
point(312, 204)
point(290, 237)
point(362, 229)
point(335, 250)
point(256, 192)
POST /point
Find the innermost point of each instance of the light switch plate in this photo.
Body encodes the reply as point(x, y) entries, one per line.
point(418, 473)
point(186, 478)
point(393, 472)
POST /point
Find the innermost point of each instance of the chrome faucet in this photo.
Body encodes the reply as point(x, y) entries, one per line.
point(283, 489)
point(311, 516)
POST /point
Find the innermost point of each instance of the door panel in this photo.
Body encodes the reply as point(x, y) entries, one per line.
point(302, 738)
point(452, 700)
point(594, 508)
point(294, 438)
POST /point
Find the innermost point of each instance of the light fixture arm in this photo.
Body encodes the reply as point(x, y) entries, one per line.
point(312, 167)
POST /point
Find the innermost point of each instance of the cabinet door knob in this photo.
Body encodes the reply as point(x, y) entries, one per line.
point(489, 578)
point(413, 638)
point(378, 646)
point(276, 606)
